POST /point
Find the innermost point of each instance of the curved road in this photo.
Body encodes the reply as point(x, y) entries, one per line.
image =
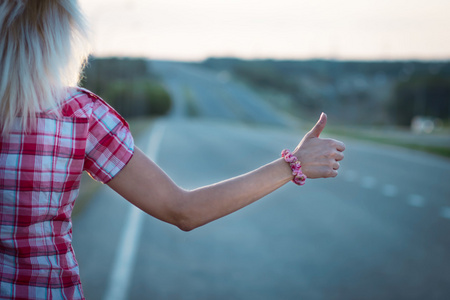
point(380, 230)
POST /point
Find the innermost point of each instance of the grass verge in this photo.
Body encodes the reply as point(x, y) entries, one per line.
point(438, 150)
point(191, 103)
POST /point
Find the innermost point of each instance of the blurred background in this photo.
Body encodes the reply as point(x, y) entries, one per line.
point(224, 86)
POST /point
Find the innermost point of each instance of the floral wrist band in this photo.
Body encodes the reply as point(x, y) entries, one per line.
point(299, 177)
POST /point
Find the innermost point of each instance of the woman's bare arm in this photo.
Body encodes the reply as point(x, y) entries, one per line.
point(145, 185)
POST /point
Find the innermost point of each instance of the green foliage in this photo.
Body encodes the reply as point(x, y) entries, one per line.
point(128, 85)
point(191, 103)
point(421, 96)
point(138, 97)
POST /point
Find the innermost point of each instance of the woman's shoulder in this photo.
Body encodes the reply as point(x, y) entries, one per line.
point(80, 102)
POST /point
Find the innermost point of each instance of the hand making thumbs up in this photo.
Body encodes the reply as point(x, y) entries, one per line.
point(319, 157)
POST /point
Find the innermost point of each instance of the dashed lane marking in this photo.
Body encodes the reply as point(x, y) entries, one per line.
point(416, 200)
point(389, 190)
point(368, 182)
point(445, 212)
point(350, 176)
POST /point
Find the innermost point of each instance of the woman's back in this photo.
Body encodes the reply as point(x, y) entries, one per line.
point(40, 174)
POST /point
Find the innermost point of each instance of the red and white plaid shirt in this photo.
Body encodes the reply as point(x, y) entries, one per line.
point(40, 176)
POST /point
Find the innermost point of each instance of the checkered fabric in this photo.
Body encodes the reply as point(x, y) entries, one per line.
point(40, 176)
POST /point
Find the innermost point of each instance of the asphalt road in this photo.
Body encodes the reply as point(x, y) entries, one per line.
point(380, 230)
point(203, 93)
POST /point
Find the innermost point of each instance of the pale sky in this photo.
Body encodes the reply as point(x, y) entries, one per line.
point(282, 29)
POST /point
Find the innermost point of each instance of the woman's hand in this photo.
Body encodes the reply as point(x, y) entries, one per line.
point(319, 157)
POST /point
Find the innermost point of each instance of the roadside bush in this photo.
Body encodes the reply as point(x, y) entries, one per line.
point(128, 85)
point(138, 98)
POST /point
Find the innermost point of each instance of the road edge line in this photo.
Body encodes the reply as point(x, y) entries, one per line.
point(123, 263)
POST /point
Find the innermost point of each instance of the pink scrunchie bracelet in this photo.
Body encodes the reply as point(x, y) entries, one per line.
point(299, 177)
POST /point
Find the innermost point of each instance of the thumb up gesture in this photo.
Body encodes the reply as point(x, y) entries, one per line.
point(319, 157)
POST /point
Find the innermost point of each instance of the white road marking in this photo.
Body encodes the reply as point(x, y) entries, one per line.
point(389, 190)
point(416, 200)
point(445, 212)
point(118, 284)
point(350, 176)
point(368, 182)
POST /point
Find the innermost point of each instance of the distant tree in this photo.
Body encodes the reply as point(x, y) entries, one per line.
point(128, 85)
point(138, 97)
point(421, 96)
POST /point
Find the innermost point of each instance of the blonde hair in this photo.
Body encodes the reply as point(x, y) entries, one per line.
point(43, 46)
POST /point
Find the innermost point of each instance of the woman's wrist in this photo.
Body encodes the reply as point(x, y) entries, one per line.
point(285, 169)
point(295, 165)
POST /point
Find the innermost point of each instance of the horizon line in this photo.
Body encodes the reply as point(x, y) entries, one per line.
point(318, 58)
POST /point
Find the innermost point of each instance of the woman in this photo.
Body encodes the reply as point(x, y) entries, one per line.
point(52, 131)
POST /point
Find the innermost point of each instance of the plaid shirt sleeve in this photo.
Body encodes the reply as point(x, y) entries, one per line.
point(109, 144)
